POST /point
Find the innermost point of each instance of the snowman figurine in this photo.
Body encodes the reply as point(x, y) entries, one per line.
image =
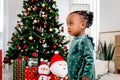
point(58, 68)
point(43, 71)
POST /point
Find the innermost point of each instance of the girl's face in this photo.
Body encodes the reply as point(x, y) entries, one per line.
point(76, 24)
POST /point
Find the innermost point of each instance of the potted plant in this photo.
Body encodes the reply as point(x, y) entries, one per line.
point(106, 52)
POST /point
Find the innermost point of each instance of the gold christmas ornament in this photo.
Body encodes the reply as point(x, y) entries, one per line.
point(50, 30)
point(23, 41)
point(48, 52)
point(33, 27)
point(44, 50)
point(11, 61)
point(35, 21)
point(21, 50)
point(32, 47)
point(43, 5)
point(21, 38)
point(30, 38)
point(46, 16)
point(52, 35)
point(29, 9)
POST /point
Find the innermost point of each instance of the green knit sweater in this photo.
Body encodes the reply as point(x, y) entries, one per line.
point(80, 58)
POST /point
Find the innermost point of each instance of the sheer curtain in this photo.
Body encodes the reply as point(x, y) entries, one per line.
point(1, 22)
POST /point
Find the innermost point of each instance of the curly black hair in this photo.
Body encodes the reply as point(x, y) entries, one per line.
point(86, 15)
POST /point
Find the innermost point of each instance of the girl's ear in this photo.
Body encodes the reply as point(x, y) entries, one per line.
point(83, 25)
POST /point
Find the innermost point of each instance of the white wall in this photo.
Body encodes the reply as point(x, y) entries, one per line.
point(109, 15)
point(64, 10)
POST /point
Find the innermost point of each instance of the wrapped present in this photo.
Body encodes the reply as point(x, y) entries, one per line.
point(18, 69)
point(0, 64)
point(30, 73)
point(32, 62)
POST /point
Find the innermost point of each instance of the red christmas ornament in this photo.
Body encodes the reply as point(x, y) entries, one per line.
point(34, 54)
point(25, 57)
point(52, 0)
point(26, 50)
point(47, 9)
point(57, 18)
point(54, 46)
point(38, 21)
point(59, 36)
point(65, 47)
point(62, 29)
point(32, 0)
point(18, 25)
point(39, 30)
point(24, 46)
point(45, 23)
point(35, 8)
point(26, 13)
point(6, 60)
point(18, 46)
point(14, 38)
point(53, 24)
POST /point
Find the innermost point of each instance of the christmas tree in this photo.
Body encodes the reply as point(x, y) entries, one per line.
point(38, 32)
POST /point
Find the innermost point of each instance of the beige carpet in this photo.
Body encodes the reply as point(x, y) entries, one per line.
point(110, 76)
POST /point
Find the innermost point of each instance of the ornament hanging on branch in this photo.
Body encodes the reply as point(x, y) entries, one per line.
point(47, 9)
point(50, 29)
point(62, 29)
point(32, 0)
point(35, 8)
point(29, 9)
point(40, 14)
point(18, 26)
point(59, 36)
point(34, 54)
point(30, 38)
point(18, 46)
point(14, 38)
point(65, 47)
point(54, 46)
point(45, 23)
point(39, 29)
point(6, 60)
point(43, 5)
point(26, 13)
point(24, 46)
point(45, 16)
point(35, 21)
point(26, 27)
point(53, 24)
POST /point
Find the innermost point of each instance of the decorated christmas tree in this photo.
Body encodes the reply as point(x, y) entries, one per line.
point(38, 32)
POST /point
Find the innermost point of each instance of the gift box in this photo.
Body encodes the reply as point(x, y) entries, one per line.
point(30, 73)
point(25, 69)
point(18, 69)
point(0, 64)
point(32, 62)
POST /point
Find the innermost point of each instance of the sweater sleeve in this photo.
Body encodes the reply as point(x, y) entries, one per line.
point(88, 58)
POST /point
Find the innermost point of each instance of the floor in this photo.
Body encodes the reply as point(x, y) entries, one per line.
point(8, 75)
point(110, 76)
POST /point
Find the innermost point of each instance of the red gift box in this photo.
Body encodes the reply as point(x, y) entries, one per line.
point(30, 72)
point(18, 69)
point(0, 64)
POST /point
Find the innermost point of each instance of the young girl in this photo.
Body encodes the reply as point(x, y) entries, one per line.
point(80, 58)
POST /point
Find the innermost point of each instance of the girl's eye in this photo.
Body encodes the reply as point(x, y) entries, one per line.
point(71, 23)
